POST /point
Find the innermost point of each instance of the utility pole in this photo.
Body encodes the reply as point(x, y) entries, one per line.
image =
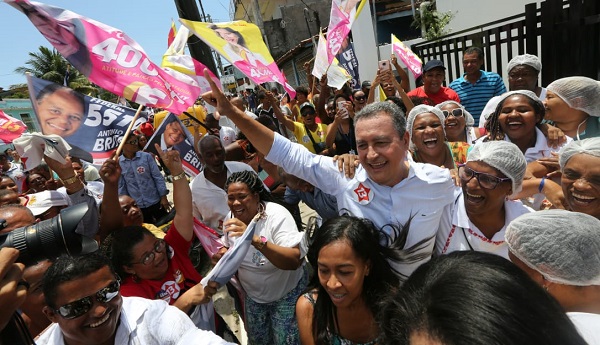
point(188, 9)
point(259, 21)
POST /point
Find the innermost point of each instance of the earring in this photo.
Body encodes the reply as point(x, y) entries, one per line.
point(260, 208)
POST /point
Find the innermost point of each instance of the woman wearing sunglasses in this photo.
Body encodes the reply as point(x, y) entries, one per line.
point(161, 269)
point(482, 210)
point(458, 122)
point(425, 124)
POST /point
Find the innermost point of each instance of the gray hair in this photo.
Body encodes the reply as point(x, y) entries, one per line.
point(387, 108)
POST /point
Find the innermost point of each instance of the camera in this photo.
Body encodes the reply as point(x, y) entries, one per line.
point(50, 238)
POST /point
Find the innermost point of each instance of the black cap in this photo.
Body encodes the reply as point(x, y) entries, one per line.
point(366, 84)
point(431, 64)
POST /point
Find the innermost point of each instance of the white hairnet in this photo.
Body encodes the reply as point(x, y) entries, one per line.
point(525, 59)
point(418, 110)
point(579, 93)
point(563, 246)
point(529, 94)
point(469, 120)
point(504, 156)
point(590, 146)
point(490, 107)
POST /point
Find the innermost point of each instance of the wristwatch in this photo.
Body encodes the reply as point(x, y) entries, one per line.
point(179, 177)
point(260, 245)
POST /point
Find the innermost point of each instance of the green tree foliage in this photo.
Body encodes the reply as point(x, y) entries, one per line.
point(49, 65)
point(435, 22)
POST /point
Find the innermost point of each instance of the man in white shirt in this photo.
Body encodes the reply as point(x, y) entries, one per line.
point(208, 194)
point(83, 302)
point(387, 188)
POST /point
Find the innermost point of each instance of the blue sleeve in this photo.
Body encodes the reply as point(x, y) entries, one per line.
point(122, 184)
point(159, 181)
point(500, 87)
point(291, 197)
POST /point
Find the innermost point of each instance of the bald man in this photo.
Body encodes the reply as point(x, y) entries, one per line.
point(239, 103)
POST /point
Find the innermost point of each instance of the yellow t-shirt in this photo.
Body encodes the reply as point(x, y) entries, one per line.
point(303, 136)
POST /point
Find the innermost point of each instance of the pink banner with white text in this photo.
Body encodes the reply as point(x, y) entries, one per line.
point(410, 59)
point(110, 59)
point(341, 18)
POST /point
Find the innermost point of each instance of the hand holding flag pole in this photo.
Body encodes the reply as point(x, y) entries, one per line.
point(120, 148)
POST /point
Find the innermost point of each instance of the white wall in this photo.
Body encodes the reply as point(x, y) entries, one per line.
point(364, 44)
point(469, 13)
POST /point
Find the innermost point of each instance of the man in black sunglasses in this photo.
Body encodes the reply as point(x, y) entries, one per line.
point(83, 300)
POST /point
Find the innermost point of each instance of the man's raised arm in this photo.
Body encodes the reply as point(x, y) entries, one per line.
point(260, 136)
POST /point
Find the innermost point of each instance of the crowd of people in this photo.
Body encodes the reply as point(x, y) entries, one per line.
point(467, 214)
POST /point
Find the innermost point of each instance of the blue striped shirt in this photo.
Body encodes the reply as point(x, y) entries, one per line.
point(474, 97)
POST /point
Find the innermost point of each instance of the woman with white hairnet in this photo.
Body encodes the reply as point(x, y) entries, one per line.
point(580, 166)
point(573, 105)
point(560, 250)
point(523, 74)
point(494, 170)
point(425, 125)
point(458, 122)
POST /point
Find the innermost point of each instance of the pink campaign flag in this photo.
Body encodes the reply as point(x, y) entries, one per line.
point(410, 59)
point(343, 13)
point(10, 128)
point(242, 45)
point(110, 59)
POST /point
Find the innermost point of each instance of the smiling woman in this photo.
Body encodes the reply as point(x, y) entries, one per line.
point(272, 272)
point(580, 181)
point(425, 124)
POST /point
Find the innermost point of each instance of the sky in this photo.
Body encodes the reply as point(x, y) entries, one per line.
point(146, 22)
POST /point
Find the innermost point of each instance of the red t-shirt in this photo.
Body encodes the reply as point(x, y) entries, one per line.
point(180, 276)
point(445, 94)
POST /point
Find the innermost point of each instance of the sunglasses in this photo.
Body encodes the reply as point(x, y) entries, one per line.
point(82, 306)
point(458, 112)
point(486, 181)
point(360, 98)
point(159, 246)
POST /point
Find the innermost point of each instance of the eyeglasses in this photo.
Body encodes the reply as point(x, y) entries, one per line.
point(360, 98)
point(82, 306)
point(458, 112)
point(486, 181)
point(159, 246)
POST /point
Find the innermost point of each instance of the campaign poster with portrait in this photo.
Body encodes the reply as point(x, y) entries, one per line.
point(242, 45)
point(91, 124)
point(110, 59)
point(172, 134)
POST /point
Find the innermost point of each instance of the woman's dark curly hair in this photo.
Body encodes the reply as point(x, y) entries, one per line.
point(254, 183)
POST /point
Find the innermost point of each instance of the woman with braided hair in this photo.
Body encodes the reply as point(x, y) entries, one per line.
point(272, 273)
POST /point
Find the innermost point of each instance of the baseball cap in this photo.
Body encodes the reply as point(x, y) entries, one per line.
point(307, 104)
point(366, 84)
point(431, 64)
point(41, 202)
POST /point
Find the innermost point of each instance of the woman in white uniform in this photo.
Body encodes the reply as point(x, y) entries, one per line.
point(482, 210)
point(560, 250)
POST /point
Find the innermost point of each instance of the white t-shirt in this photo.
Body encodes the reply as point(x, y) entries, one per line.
point(147, 322)
point(262, 281)
point(464, 235)
point(588, 325)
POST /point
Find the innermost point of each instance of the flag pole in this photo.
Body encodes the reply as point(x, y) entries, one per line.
point(120, 148)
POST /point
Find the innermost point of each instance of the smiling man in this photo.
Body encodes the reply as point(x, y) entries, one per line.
point(387, 188)
point(434, 75)
point(476, 87)
point(83, 300)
